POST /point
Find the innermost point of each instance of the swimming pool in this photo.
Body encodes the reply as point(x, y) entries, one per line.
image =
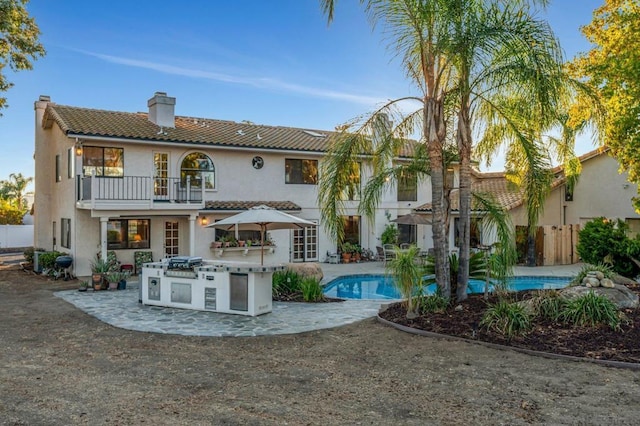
point(381, 287)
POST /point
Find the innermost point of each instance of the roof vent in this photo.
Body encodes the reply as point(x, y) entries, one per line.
point(315, 134)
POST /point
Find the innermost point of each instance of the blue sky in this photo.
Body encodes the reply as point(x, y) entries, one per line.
point(271, 62)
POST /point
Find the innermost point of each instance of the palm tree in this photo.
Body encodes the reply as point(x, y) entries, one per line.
point(457, 52)
point(13, 190)
point(418, 33)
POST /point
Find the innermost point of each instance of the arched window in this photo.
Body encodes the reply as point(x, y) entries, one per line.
point(200, 168)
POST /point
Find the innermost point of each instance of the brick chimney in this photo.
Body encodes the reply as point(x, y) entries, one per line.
point(162, 110)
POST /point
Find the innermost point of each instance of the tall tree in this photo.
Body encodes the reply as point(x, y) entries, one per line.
point(612, 67)
point(417, 33)
point(19, 45)
point(483, 48)
point(13, 190)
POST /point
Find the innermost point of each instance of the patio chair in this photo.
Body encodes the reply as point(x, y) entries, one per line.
point(379, 254)
point(112, 260)
point(405, 246)
point(389, 252)
point(140, 257)
point(333, 257)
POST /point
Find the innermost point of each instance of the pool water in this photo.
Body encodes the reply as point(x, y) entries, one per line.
point(381, 287)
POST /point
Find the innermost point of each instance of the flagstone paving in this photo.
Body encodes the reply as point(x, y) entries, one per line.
point(122, 309)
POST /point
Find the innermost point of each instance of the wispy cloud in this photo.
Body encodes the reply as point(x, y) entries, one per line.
point(258, 82)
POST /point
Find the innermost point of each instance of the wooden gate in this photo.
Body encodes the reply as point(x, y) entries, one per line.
point(553, 245)
point(556, 245)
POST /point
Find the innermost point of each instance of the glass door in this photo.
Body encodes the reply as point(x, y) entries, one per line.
point(171, 247)
point(161, 174)
point(304, 244)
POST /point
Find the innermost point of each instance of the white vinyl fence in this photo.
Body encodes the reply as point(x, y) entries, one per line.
point(16, 236)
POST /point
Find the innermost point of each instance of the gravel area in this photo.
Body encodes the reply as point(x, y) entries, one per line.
point(59, 365)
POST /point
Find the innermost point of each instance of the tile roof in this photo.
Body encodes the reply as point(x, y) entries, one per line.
point(246, 205)
point(495, 183)
point(136, 126)
point(76, 121)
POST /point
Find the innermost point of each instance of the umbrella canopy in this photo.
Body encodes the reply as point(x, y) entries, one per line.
point(412, 219)
point(261, 218)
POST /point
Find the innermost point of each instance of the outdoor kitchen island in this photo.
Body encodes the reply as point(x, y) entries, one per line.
point(217, 286)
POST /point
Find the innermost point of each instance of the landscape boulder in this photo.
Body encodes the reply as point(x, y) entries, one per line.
point(620, 295)
point(306, 269)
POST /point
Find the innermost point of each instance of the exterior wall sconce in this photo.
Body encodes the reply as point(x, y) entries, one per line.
point(78, 150)
point(204, 221)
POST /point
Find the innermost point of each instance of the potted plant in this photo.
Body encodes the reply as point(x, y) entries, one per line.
point(357, 253)
point(83, 286)
point(99, 268)
point(122, 284)
point(114, 278)
point(347, 250)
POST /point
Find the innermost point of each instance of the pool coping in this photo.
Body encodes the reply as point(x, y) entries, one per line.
point(424, 333)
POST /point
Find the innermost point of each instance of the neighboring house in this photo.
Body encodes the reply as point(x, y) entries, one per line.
point(601, 191)
point(130, 182)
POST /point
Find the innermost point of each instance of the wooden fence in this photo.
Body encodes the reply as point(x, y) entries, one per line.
point(555, 245)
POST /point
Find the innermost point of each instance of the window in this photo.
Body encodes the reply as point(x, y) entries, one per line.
point(408, 187)
point(65, 233)
point(70, 162)
point(99, 161)
point(301, 171)
point(351, 229)
point(198, 167)
point(475, 238)
point(407, 234)
point(128, 234)
point(58, 176)
point(352, 190)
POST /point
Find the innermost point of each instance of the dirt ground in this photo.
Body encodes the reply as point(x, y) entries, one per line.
point(61, 366)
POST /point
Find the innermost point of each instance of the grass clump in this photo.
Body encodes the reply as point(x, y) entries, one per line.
point(591, 310)
point(311, 289)
point(549, 304)
point(506, 318)
point(285, 282)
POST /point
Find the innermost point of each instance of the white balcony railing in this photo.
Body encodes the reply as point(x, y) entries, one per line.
point(105, 189)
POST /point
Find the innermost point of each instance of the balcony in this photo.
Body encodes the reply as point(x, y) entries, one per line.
point(138, 192)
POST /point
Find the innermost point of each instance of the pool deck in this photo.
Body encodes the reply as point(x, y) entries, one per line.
point(121, 308)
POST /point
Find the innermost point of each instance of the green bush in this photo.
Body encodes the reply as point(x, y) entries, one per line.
point(28, 253)
point(591, 310)
point(285, 282)
point(48, 259)
point(506, 318)
point(311, 289)
point(390, 234)
point(433, 304)
point(605, 241)
point(549, 304)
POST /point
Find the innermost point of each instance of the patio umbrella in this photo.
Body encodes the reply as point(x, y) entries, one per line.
point(261, 218)
point(412, 219)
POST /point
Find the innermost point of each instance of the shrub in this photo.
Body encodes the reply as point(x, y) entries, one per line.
point(605, 241)
point(311, 289)
point(285, 282)
point(432, 304)
point(506, 318)
point(390, 234)
point(591, 310)
point(28, 253)
point(549, 304)
point(48, 259)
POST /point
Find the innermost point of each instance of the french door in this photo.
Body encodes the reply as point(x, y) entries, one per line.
point(171, 240)
point(304, 244)
point(161, 174)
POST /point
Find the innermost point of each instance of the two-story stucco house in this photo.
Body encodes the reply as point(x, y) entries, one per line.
point(151, 182)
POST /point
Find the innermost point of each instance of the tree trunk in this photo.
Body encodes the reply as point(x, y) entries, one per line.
point(531, 247)
point(434, 132)
point(463, 137)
